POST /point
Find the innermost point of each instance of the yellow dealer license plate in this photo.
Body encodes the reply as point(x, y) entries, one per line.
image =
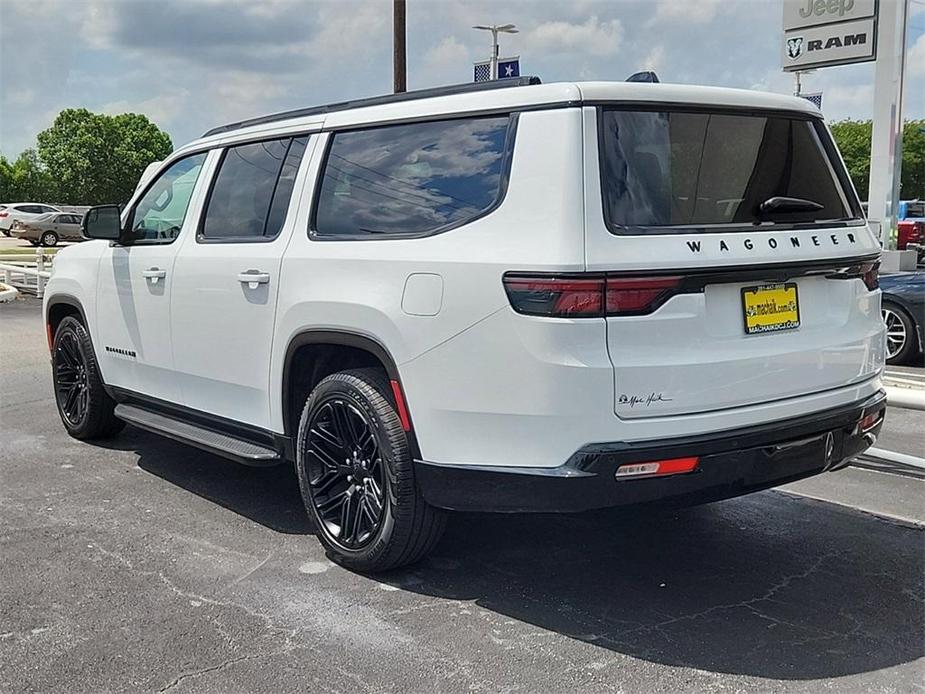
point(770, 307)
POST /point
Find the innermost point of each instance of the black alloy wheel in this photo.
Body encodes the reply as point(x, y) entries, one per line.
point(71, 385)
point(345, 473)
point(86, 410)
point(356, 475)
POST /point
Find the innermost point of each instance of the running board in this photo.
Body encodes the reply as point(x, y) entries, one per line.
point(209, 440)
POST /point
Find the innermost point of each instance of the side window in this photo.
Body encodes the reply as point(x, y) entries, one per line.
point(158, 216)
point(251, 192)
point(413, 179)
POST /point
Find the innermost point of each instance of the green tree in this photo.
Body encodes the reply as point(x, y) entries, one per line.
point(913, 176)
point(26, 179)
point(853, 139)
point(97, 159)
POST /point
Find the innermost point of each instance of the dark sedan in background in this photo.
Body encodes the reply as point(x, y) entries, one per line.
point(903, 305)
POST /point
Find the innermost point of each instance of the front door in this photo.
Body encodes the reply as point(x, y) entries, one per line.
point(226, 280)
point(135, 278)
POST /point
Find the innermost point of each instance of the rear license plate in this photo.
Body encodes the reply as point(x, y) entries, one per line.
point(770, 307)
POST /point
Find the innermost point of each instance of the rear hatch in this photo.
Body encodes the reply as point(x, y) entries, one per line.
point(738, 267)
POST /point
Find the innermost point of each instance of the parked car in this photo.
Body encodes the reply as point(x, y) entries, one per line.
point(505, 296)
point(48, 229)
point(912, 236)
point(903, 307)
point(21, 211)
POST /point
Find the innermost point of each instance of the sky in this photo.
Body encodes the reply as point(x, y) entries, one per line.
point(190, 65)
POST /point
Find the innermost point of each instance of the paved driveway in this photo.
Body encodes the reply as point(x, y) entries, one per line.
point(144, 565)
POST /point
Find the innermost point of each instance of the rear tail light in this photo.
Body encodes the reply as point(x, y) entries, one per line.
point(657, 468)
point(588, 297)
point(4, 214)
point(870, 273)
point(636, 295)
point(868, 422)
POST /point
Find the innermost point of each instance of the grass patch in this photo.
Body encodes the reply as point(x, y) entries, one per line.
point(26, 251)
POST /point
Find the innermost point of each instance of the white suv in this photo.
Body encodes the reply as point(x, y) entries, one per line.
point(504, 297)
point(21, 212)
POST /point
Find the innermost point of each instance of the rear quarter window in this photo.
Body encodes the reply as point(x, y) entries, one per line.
point(413, 179)
point(690, 169)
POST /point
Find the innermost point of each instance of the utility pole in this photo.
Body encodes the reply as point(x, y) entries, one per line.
point(399, 63)
point(495, 29)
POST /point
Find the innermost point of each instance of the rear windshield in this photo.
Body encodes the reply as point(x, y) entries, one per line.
point(687, 170)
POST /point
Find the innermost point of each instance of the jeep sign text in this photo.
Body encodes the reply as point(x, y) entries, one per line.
point(834, 44)
point(806, 13)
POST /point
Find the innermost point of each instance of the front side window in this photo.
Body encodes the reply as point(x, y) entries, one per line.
point(158, 216)
point(411, 180)
point(251, 193)
point(662, 169)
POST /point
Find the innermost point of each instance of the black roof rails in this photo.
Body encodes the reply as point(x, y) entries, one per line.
point(464, 88)
point(646, 76)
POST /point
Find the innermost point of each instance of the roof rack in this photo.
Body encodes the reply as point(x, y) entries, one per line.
point(448, 90)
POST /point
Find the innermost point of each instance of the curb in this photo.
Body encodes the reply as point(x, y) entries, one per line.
point(910, 398)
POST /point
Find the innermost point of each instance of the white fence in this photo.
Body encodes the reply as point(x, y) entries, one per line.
point(27, 272)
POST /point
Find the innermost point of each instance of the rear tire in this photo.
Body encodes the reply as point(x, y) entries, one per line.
point(83, 404)
point(6, 232)
point(356, 475)
point(900, 334)
point(49, 238)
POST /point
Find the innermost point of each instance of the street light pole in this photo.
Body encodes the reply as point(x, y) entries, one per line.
point(495, 29)
point(399, 66)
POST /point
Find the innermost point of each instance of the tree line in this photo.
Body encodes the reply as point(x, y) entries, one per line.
point(853, 138)
point(84, 158)
point(88, 158)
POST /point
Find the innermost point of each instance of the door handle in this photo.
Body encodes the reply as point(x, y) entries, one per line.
point(154, 274)
point(253, 277)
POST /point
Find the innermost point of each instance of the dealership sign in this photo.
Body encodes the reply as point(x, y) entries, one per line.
point(820, 33)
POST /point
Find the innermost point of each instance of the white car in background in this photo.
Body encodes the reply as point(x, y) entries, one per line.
point(23, 212)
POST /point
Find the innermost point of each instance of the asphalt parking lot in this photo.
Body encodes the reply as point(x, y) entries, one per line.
point(144, 565)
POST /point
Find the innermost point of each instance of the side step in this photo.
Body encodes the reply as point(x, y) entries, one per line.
point(208, 440)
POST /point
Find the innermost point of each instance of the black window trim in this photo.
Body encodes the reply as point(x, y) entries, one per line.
point(825, 139)
point(506, 163)
point(130, 220)
point(205, 240)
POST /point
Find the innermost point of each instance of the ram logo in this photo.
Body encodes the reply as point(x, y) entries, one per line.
point(795, 47)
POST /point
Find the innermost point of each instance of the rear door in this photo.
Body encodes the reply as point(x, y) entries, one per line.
point(736, 255)
point(226, 279)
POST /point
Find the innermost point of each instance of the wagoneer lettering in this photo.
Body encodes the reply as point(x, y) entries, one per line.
point(551, 298)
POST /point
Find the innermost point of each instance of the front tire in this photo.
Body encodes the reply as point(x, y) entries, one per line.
point(83, 404)
point(49, 238)
point(356, 475)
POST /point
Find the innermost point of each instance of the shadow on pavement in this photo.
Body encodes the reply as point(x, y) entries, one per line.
point(266, 495)
point(766, 585)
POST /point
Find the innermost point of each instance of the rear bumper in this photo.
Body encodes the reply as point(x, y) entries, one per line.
point(732, 463)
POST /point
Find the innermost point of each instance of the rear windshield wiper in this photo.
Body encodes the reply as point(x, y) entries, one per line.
point(780, 203)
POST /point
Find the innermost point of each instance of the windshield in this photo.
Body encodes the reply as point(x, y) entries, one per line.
point(663, 169)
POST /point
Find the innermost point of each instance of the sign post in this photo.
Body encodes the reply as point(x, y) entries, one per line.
point(887, 140)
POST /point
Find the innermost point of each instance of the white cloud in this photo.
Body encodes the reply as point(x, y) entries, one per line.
point(696, 11)
point(915, 59)
point(594, 37)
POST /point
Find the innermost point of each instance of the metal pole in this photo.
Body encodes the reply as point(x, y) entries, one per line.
point(494, 53)
point(399, 63)
point(796, 83)
point(886, 140)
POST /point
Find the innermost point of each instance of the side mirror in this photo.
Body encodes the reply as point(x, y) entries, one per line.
point(102, 222)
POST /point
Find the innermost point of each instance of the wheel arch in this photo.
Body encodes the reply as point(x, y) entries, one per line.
point(313, 354)
point(59, 307)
